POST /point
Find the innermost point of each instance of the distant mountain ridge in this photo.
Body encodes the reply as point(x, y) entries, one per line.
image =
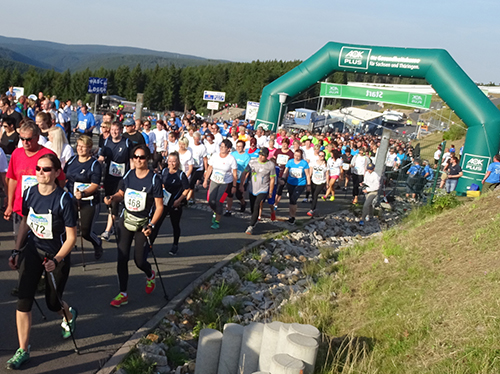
point(60, 57)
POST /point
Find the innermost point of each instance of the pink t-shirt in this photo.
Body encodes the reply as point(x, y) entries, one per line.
point(22, 167)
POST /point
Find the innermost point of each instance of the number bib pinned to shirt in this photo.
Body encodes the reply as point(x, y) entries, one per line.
point(282, 159)
point(166, 197)
point(218, 177)
point(40, 224)
point(78, 186)
point(318, 177)
point(135, 201)
point(116, 170)
point(82, 125)
point(27, 181)
point(296, 173)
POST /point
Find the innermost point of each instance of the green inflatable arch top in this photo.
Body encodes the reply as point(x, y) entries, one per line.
point(435, 65)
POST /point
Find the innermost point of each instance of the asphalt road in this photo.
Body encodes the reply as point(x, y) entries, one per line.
point(102, 329)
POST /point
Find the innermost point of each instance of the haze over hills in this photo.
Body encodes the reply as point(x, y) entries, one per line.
point(23, 53)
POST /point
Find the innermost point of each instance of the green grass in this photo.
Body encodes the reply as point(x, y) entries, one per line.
point(134, 364)
point(255, 276)
point(432, 307)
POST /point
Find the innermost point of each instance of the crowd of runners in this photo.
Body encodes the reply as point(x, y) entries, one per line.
point(142, 174)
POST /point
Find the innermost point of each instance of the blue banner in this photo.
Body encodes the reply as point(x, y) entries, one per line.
point(98, 85)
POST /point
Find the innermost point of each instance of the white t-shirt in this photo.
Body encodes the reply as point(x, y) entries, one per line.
point(437, 154)
point(262, 141)
point(318, 173)
point(66, 153)
point(172, 146)
point(186, 159)
point(222, 172)
point(218, 138)
point(211, 149)
point(308, 153)
point(199, 152)
point(161, 137)
point(334, 166)
point(359, 164)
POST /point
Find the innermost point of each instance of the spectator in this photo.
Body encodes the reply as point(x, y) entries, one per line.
point(491, 179)
point(454, 173)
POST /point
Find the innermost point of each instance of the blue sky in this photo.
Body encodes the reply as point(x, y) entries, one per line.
point(272, 29)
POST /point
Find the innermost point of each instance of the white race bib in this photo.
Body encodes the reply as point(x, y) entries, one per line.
point(27, 182)
point(135, 201)
point(282, 159)
point(346, 166)
point(166, 197)
point(218, 177)
point(82, 187)
point(40, 224)
point(296, 173)
point(116, 170)
point(82, 125)
point(318, 177)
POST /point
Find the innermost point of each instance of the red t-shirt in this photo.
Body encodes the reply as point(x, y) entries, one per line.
point(21, 165)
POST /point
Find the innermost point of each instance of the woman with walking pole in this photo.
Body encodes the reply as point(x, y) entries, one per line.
point(142, 195)
point(47, 234)
point(83, 173)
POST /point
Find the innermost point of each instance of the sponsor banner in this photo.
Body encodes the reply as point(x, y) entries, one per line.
point(251, 112)
point(266, 125)
point(97, 85)
point(214, 96)
point(410, 99)
point(18, 91)
point(475, 164)
point(213, 105)
point(364, 58)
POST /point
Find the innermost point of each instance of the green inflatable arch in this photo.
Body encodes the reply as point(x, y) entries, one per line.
point(435, 65)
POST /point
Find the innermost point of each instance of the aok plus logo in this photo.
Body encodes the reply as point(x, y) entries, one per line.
point(333, 90)
point(416, 99)
point(356, 58)
point(475, 164)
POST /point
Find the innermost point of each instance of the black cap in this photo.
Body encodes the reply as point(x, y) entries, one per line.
point(264, 152)
point(370, 166)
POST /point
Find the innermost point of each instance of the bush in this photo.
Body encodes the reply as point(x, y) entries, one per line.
point(454, 133)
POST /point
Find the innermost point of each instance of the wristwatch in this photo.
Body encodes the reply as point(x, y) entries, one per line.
point(151, 225)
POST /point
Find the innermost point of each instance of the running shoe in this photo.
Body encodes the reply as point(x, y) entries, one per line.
point(273, 216)
point(249, 230)
point(332, 198)
point(191, 202)
point(243, 207)
point(174, 249)
point(305, 201)
point(291, 220)
point(20, 357)
point(213, 218)
point(310, 213)
point(150, 283)
point(106, 235)
point(120, 300)
point(323, 198)
point(215, 225)
point(227, 214)
point(361, 223)
point(69, 327)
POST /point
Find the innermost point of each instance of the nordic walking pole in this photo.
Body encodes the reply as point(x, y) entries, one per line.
point(110, 210)
point(81, 233)
point(53, 280)
point(157, 268)
point(40, 309)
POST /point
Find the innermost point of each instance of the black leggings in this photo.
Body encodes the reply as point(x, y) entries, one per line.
point(356, 180)
point(31, 269)
point(175, 220)
point(294, 192)
point(89, 214)
point(141, 252)
point(316, 190)
point(255, 206)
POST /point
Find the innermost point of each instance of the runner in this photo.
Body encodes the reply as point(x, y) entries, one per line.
point(200, 160)
point(10, 137)
point(262, 177)
point(346, 167)
point(298, 178)
point(335, 169)
point(222, 171)
point(358, 164)
point(161, 144)
point(86, 122)
point(132, 134)
point(59, 145)
point(186, 157)
point(283, 155)
point(319, 177)
point(142, 195)
point(47, 234)
point(242, 159)
point(116, 153)
point(83, 173)
point(175, 190)
point(212, 147)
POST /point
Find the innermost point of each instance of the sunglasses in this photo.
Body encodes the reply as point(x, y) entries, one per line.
point(25, 139)
point(140, 157)
point(46, 169)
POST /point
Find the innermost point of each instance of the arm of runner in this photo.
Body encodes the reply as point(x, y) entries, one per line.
point(156, 216)
point(308, 178)
point(66, 248)
point(207, 176)
point(21, 237)
point(271, 185)
point(486, 176)
point(118, 196)
point(11, 190)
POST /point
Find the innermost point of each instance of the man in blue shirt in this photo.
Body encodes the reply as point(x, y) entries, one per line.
point(491, 179)
point(86, 122)
point(242, 160)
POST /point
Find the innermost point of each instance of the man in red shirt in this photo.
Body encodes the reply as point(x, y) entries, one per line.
point(22, 170)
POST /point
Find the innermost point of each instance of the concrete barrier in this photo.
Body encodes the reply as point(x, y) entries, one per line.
point(286, 364)
point(303, 348)
point(230, 348)
point(270, 339)
point(250, 348)
point(207, 356)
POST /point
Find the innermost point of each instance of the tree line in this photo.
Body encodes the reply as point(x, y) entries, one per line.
point(173, 88)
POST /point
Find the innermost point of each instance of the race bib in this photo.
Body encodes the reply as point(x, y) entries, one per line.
point(238, 173)
point(218, 177)
point(135, 201)
point(282, 159)
point(40, 224)
point(27, 182)
point(296, 173)
point(82, 125)
point(116, 170)
point(318, 177)
point(82, 187)
point(346, 166)
point(166, 197)
point(196, 162)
